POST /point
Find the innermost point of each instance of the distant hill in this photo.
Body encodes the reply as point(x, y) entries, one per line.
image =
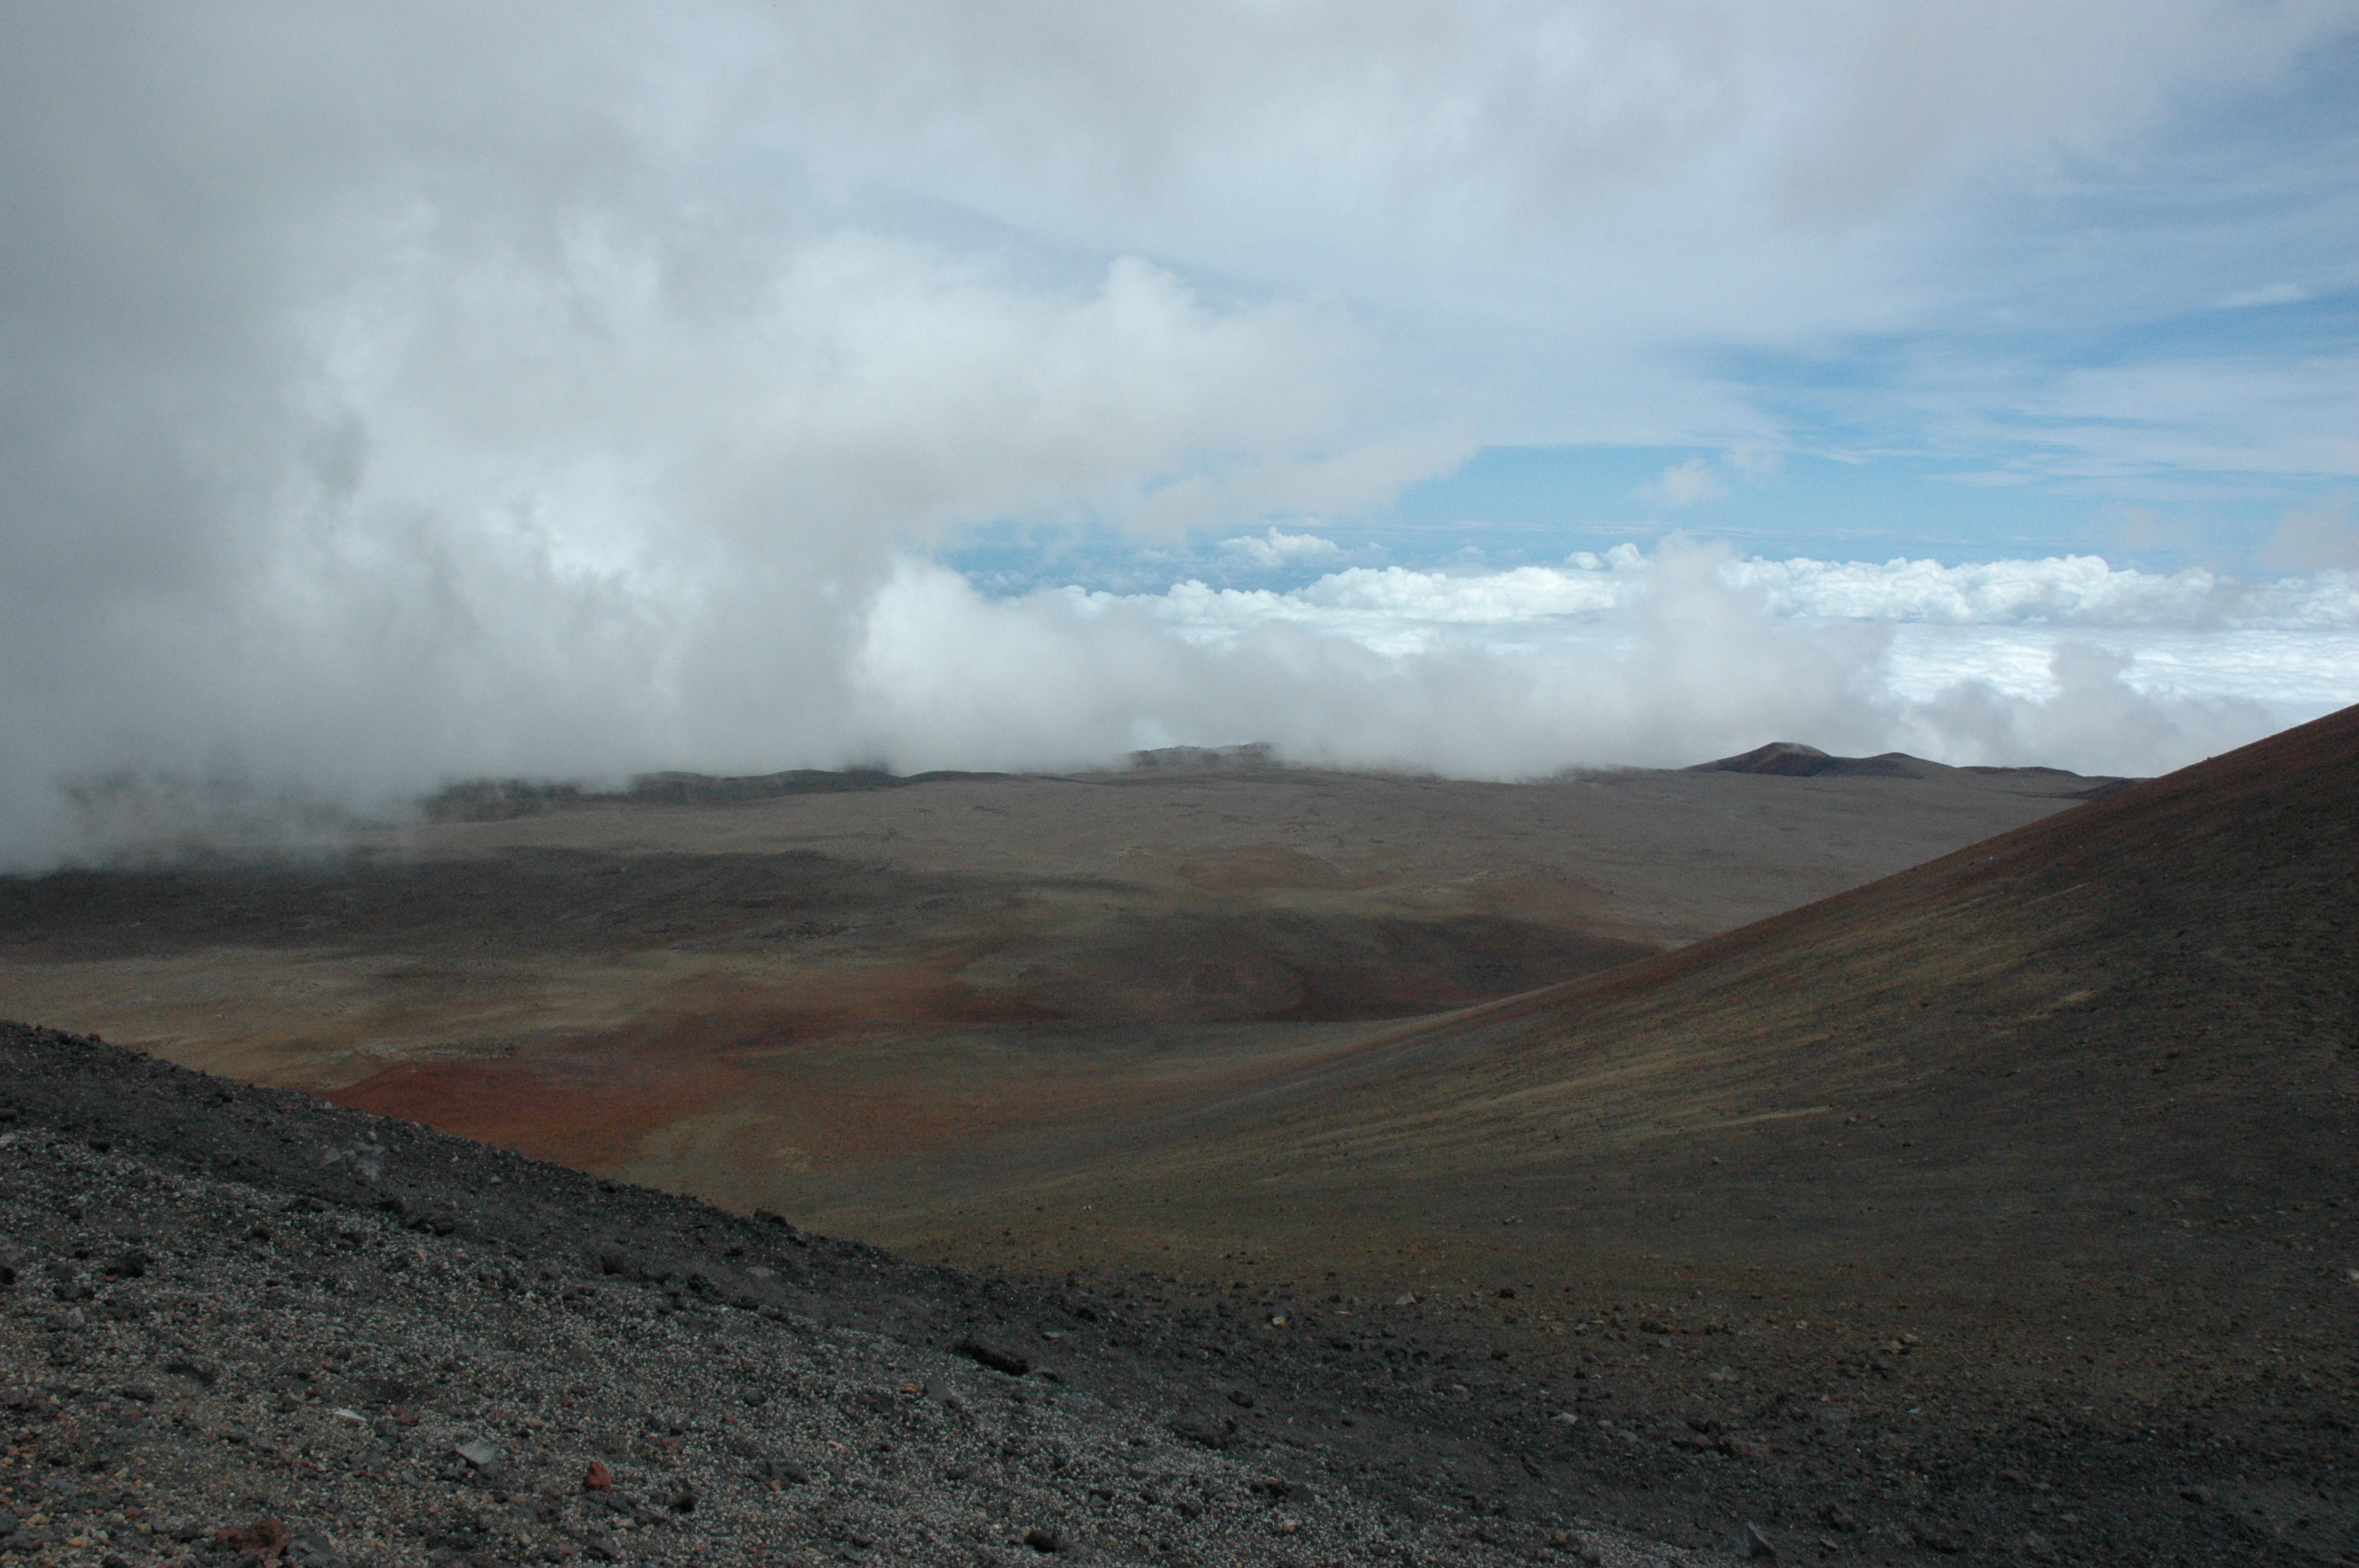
point(1253, 754)
point(1791, 758)
point(494, 800)
point(1788, 759)
point(499, 800)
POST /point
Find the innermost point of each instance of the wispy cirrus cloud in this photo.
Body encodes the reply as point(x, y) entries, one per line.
point(2269, 294)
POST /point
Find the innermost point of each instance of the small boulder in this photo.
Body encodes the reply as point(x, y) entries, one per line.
point(998, 1358)
point(312, 1549)
point(481, 1456)
point(1204, 1431)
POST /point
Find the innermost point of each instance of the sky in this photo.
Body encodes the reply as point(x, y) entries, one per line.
point(400, 394)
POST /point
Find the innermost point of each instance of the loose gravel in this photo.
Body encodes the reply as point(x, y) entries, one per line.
point(240, 1327)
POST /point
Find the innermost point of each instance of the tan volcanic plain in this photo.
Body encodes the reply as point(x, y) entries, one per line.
point(749, 1000)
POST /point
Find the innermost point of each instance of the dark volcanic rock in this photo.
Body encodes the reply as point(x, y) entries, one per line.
point(1206, 1432)
point(303, 1346)
point(998, 1358)
point(489, 1390)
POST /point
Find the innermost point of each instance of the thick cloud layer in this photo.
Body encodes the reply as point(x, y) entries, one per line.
point(391, 393)
point(1660, 660)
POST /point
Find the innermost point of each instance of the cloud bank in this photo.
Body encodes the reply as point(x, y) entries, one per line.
point(1623, 658)
point(391, 393)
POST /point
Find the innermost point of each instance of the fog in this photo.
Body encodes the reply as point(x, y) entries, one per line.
point(395, 395)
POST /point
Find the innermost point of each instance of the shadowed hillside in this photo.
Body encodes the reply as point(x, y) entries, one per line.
point(2128, 1030)
point(2055, 1128)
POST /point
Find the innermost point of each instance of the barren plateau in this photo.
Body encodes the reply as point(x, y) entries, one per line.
point(1899, 1163)
point(733, 996)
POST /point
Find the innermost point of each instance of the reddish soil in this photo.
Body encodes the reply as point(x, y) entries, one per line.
point(566, 1110)
point(718, 1045)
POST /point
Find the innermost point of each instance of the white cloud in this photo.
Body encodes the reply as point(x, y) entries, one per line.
point(1275, 549)
point(1620, 658)
point(1685, 483)
point(2064, 592)
point(488, 508)
point(397, 391)
point(1755, 461)
point(1695, 479)
point(2095, 719)
point(1444, 148)
point(1671, 673)
point(1665, 659)
point(2070, 589)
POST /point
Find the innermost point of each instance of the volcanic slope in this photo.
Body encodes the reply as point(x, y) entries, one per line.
point(2057, 1129)
point(1892, 1224)
point(238, 1325)
point(724, 992)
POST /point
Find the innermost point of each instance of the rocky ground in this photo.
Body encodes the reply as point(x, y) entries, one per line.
point(1999, 1212)
point(243, 1326)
